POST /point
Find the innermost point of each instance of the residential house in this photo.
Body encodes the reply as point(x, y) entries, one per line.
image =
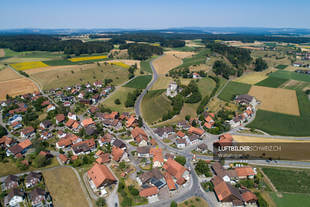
point(87, 122)
point(193, 139)
point(84, 147)
point(196, 75)
point(46, 124)
point(164, 132)
point(226, 193)
point(11, 182)
point(6, 142)
point(197, 131)
point(245, 172)
point(14, 198)
point(16, 125)
point(15, 118)
point(99, 177)
point(91, 130)
point(119, 144)
point(32, 179)
point(139, 136)
point(38, 197)
point(157, 154)
point(249, 198)
point(50, 108)
point(46, 135)
point(203, 148)
point(143, 151)
point(224, 140)
point(170, 182)
point(180, 143)
point(183, 125)
point(72, 116)
point(118, 154)
point(64, 159)
point(178, 171)
point(151, 193)
point(60, 118)
point(106, 139)
point(103, 158)
point(61, 134)
point(19, 148)
point(131, 121)
point(27, 132)
point(246, 99)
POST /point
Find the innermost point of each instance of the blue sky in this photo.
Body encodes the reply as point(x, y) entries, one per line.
point(153, 14)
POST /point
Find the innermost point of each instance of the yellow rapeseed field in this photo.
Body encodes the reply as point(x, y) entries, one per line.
point(28, 65)
point(78, 59)
point(121, 64)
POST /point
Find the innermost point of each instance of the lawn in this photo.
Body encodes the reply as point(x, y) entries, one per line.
point(64, 187)
point(11, 168)
point(282, 124)
point(289, 180)
point(145, 65)
point(281, 67)
point(194, 202)
point(197, 59)
point(291, 199)
point(290, 75)
point(272, 82)
point(154, 105)
point(139, 82)
point(233, 89)
point(81, 74)
point(206, 85)
point(121, 94)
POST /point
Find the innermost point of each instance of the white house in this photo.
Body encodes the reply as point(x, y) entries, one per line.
point(172, 90)
point(180, 143)
point(14, 198)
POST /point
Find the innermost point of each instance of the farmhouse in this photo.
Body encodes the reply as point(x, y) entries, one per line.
point(150, 193)
point(176, 170)
point(11, 182)
point(226, 193)
point(197, 131)
point(246, 99)
point(139, 136)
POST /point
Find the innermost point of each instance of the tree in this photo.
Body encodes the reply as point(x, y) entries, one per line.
point(181, 160)
point(100, 202)
point(187, 117)
point(260, 64)
point(140, 121)
point(3, 131)
point(173, 204)
point(122, 165)
point(117, 101)
point(202, 168)
point(41, 161)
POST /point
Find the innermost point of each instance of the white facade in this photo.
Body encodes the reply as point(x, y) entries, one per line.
point(172, 90)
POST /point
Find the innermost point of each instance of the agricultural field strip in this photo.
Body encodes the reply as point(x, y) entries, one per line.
point(78, 59)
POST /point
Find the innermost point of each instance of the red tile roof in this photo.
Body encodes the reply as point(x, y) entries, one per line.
point(63, 158)
point(60, 117)
point(70, 122)
point(87, 122)
point(195, 130)
point(174, 168)
point(100, 174)
point(249, 196)
point(244, 171)
point(180, 134)
point(130, 121)
point(25, 144)
point(169, 181)
point(117, 153)
point(157, 154)
point(149, 191)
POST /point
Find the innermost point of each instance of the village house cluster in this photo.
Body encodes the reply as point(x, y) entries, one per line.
point(28, 189)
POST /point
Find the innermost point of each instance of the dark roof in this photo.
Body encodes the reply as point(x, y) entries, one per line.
point(90, 130)
point(36, 192)
point(16, 149)
point(118, 143)
point(47, 123)
point(15, 192)
point(32, 175)
point(203, 146)
point(143, 150)
point(11, 178)
point(244, 97)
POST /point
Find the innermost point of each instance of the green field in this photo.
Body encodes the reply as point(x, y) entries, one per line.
point(232, 89)
point(59, 62)
point(206, 86)
point(298, 85)
point(271, 82)
point(282, 124)
point(289, 180)
point(281, 67)
point(121, 94)
point(154, 105)
point(290, 75)
point(145, 65)
point(291, 199)
point(197, 59)
point(139, 82)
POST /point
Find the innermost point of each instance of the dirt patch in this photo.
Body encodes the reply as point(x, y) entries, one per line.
point(8, 74)
point(16, 87)
point(2, 53)
point(180, 54)
point(165, 63)
point(64, 187)
point(276, 99)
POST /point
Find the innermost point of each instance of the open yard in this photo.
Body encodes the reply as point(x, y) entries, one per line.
point(165, 63)
point(289, 180)
point(232, 89)
point(64, 187)
point(180, 54)
point(139, 82)
point(291, 199)
point(121, 94)
point(253, 77)
point(272, 82)
point(63, 76)
point(154, 105)
point(194, 201)
point(16, 87)
point(290, 75)
point(296, 85)
point(273, 99)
